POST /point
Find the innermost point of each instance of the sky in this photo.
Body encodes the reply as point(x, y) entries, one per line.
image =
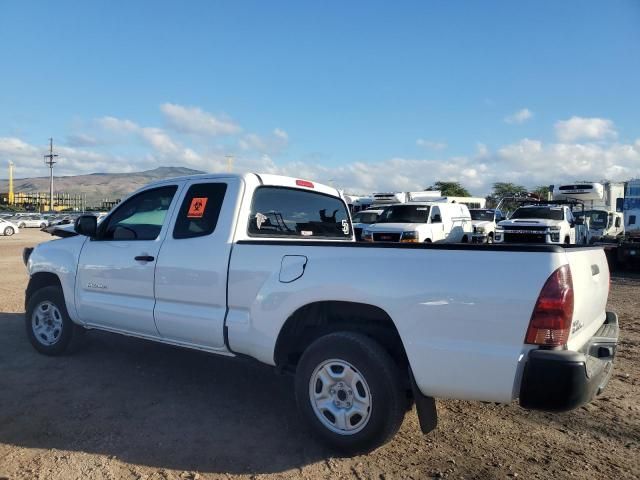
point(364, 95)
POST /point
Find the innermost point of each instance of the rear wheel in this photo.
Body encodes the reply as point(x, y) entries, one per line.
point(567, 241)
point(490, 238)
point(9, 231)
point(49, 328)
point(349, 393)
point(21, 225)
point(42, 225)
point(465, 239)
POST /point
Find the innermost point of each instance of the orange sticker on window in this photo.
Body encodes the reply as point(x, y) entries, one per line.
point(196, 209)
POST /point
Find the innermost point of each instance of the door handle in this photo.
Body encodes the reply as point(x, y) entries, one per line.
point(144, 258)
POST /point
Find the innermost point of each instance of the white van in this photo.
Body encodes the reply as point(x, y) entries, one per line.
point(417, 222)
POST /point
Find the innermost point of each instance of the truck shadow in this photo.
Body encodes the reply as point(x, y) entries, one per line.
point(150, 404)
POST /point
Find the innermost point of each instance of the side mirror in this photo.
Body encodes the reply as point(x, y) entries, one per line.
point(86, 225)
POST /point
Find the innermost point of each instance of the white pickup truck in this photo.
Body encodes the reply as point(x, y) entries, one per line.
point(553, 224)
point(254, 266)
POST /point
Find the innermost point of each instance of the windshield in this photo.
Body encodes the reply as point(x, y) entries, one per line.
point(485, 215)
point(545, 213)
point(597, 218)
point(365, 217)
point(405, 214)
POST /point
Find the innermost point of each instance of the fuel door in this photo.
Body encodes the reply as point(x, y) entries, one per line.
point(292, 268)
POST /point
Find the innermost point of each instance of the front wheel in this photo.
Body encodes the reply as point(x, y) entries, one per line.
point(348, 391)
point(8, 231)
point(49, 328)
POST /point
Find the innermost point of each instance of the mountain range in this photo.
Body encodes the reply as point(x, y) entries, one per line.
point(97, 186)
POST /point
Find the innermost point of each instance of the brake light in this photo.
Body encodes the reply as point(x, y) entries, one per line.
point(304, 183)
point(550, 322)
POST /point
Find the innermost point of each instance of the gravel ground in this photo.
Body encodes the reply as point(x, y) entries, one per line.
point(126, 408)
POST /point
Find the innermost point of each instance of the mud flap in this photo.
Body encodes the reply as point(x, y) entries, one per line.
point(426, 407)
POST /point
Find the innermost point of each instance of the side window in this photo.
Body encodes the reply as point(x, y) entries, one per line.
point(435, 215)
point(288, 212)
point(632, 219)
point(200, 210)
point(140, 217)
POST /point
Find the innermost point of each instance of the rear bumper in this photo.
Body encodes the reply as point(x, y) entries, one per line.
point(560, 380)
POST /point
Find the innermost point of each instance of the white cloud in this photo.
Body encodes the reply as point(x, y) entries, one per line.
point(581, 128)
point(196, 121)
point(519, 117)
point(529, 161)
point(430, 144)
point(118, 125)
point(278, 132)
point(274, 143)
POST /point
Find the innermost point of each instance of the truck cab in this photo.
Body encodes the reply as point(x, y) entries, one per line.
point(363, 219)
point(541, 223)
point(602, 224)
point(484, 221)
point(422, 222)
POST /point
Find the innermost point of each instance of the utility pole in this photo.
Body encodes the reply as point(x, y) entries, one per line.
point(229, 163)
point(49, 160)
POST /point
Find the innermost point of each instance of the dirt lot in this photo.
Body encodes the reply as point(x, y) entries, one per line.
point(126, 408)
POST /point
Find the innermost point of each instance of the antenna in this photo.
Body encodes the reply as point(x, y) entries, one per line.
point(49, 160)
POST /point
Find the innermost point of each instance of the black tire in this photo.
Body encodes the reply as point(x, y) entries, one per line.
point(567, 241)
point(43, 225)
point(428, 240)
point(381, 375)
point(22, 225)
point(465, 239)
point(70, 335)
point(9, 231)
point(490, 238)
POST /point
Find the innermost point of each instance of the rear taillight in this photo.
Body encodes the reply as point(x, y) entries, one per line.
point(551, 319)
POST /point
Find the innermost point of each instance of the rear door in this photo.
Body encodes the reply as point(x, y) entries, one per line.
point(114, 287)
point(191, 272)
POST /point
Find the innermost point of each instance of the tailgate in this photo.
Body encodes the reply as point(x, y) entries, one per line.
point(590, 274)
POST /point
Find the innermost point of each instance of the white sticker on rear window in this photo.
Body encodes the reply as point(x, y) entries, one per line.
point(345, 227)
point(306, 233)
point(260, 219)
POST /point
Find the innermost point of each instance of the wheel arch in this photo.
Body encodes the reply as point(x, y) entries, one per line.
point(316, 319)
point(40, 280)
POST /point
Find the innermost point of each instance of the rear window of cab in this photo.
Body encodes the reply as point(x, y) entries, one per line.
point(289, 212)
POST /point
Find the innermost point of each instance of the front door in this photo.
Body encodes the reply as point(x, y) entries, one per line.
point(191, 274)
point(114, 287)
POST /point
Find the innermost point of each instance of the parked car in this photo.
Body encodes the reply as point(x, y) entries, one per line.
point(418, 222)
point(542, 224)
point(250, 266)
point(364, 218)
point(8, 228)
point(484, 222)
point(32, 221)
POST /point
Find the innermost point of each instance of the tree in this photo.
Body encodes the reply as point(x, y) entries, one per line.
point(450, 189)
point(505, 189)
point(542, 192)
